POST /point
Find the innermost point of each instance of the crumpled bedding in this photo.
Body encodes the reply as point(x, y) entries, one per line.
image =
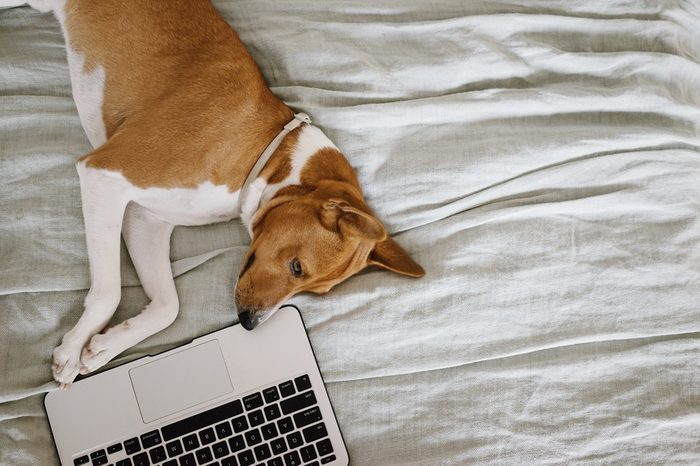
point(540, 159)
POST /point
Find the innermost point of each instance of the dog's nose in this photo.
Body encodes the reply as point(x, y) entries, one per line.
point(247, 320)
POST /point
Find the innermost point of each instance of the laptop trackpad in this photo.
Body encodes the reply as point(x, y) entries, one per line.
point(180, 381)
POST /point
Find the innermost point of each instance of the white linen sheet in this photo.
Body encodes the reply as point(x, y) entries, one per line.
point(540, 159)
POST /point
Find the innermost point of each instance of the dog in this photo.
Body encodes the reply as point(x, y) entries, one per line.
point(178, 114)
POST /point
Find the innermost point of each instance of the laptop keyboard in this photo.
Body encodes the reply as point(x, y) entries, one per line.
point(278, 426)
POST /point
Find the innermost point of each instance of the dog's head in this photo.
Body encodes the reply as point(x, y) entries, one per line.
point(311, 242)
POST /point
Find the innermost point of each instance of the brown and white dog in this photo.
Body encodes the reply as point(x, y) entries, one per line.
point(178, 113)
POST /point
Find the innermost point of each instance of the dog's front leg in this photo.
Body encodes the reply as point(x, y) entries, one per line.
point(148, 241)
point(104, 200)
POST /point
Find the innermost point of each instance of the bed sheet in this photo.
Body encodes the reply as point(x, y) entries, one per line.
point(540, 159)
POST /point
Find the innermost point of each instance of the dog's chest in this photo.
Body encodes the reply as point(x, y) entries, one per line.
point(207, 203)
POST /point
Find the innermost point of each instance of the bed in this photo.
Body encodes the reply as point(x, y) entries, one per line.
point(540, 159)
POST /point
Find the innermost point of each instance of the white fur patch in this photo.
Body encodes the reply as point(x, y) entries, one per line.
point(88, 93)
point(207, 203)
point(88, 87)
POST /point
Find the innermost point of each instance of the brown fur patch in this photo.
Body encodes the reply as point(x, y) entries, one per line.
point(280, 165)
point(328, 164)
point(184, 102)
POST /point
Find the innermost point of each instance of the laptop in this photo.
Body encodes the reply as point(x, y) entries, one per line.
point(229, 398)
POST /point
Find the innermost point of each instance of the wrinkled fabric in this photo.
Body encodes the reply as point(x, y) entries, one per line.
point(540, 159)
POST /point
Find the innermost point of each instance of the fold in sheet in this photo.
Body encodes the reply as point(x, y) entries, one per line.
point(540, 159)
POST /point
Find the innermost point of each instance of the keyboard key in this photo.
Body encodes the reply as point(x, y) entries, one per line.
point(170, 463)
point(229, 461)
point(324, 447)
point(275, 462)
point(295, 403)
point(315, 432)
point(141, 459)
point(278, 446)
point(125, 462)
point(207, 436)
point(98, 457)
point(307, 416)
point(269, 431)
point(253, 437)
point(272, 412)
point(187, 460)
point(220, 449)
point(292, 459)
point(173, 448)
point(256, 418)
point(198, 421)
point(252, 401)
point(315, 463)
point(223, 430)
point(236, 443)
point(262, 452)
point(302, 383)
point(157, 454)
point(132, 446)
point(151, 439)
point(308, 453)
point(271, 394)
point(285, 425)
point(81, 460)
point(294, 440)
point(190, 442)
point(327, 459)
point(114, 448)
point(203, 455)
point(287, 388)
point(246, 458)
point(240, 424)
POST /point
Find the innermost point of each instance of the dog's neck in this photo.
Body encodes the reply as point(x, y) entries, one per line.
point(305, 158)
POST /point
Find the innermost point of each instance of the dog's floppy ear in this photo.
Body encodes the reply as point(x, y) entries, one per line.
point(389, 255)
point(351, 221)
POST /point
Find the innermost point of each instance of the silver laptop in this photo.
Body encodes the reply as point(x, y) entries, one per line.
point(230, 398)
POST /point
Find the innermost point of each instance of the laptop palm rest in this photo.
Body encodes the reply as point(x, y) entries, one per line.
point(199, 373)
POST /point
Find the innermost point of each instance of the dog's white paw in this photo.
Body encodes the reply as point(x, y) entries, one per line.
point(98, 352)
point(66, 364)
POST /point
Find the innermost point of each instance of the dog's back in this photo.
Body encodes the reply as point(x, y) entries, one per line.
point(178, 44)
point(152, 71)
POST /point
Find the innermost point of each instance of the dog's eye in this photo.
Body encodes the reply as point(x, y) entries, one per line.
point(295, 267)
